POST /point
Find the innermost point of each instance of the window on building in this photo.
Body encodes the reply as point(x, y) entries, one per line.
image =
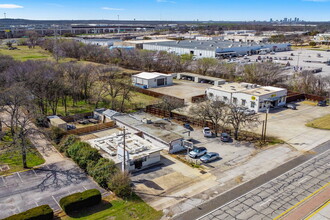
point(225, 98)
point(253, 104)
point(211, 94)
point(243, 102)
point(235, 100)
point(261, 105)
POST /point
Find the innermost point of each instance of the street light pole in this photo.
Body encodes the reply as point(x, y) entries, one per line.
point(124, 148)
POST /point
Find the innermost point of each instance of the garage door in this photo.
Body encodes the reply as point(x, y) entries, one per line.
point(160, 82)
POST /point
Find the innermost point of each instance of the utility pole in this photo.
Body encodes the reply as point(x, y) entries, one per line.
point(55, 45)
point(124, 143)
point(268, 106)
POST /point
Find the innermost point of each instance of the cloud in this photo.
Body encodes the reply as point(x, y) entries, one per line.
point(112, 9)
point(10, 6)
point(166, 1)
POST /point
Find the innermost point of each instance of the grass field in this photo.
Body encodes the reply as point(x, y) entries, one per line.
point(137, 101)
point(14, 160)
point(114, 208)
point(320, 123)
point(318, 48)
point(24, 53)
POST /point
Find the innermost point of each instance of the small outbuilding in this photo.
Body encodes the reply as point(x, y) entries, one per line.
point(56, 121)
point(147, 80)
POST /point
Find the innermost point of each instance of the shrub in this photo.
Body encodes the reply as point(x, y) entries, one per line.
point(102, 170)
point(77, 201)
point(67, 142)
point(312, 43)
point(120, 184)
point(82, 153)
point(56, 134)
point(43, 212)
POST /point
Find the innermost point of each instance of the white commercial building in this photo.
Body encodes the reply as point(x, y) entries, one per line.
point(169, 136)
point(215, 47)
point(247, 95)
point(322, 38)
point(139, 153)
point(151, 80)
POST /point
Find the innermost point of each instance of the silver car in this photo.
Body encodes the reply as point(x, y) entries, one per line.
point(211, 156)
point(197, 152)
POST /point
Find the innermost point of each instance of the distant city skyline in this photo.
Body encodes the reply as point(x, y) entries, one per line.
point(202, 10)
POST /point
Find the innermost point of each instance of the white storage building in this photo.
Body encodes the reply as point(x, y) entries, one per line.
point(248, 95)
point(215, 47)
point(151, 80)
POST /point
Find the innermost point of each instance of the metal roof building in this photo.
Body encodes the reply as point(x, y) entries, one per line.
point(215, 47)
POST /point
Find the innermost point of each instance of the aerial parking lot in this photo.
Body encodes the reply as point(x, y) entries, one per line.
point(21, 191)
point(290, 126)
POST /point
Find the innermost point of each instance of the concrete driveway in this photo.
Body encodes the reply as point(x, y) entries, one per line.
point(289, 125)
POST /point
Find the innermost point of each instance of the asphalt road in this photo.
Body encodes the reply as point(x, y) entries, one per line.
point(45, 185)
point(270, 194)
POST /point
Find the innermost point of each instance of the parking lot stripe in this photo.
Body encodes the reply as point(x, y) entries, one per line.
point(19, 177)
point(84, 187)
point(36, 203)
point(34, 172)
point(56, 202)
point(3, 179)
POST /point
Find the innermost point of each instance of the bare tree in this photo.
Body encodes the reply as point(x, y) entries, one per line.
point(168, 104)
point(238, 118)
point(214, 111)
point(17, 115)
point(33, 38)
point(265, 74)
point(204, 65)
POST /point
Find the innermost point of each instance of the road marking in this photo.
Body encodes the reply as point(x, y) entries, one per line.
point(19, 177)
point(56, 202)
point(318, 210)
point(265, 202)
point(298, 203)
point(303, 180)
point(84, 187)
point(307, 161)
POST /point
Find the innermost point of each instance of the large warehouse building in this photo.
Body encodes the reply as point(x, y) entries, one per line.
point(248, 95)
point(215, 48)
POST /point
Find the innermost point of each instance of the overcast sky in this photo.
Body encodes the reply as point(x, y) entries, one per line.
point(236, 10)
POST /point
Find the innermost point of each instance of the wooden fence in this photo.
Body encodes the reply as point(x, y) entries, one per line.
point(156, 94)
point(198, 98)
point(73, 118)
point(294, 96)
point(92, 128)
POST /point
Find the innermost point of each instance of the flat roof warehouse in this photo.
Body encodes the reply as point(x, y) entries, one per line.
point(210, 44)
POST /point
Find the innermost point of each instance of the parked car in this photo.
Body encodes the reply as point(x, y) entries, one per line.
point(207, 132)
point(211, 156)
point(322, 103)
point(188, 126)
point(249, 112)
point(70, 127)
point(290, 106)
point(224, 137)
point(197, 152)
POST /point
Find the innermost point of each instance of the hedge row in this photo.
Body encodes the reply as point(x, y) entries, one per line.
point(43, 212)
point(81, 200)
point(104, 171)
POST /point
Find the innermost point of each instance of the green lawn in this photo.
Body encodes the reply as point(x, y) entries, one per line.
point(137, 101)
point(25, 53)
point(321, 123)
point(117, 209)
point(14, 160)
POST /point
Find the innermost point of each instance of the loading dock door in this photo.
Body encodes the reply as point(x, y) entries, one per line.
point(160, 82)
point(138, 164)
